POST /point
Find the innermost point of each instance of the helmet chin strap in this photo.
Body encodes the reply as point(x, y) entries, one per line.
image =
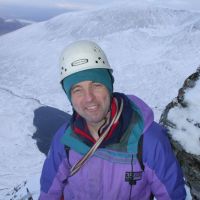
point(92, 150)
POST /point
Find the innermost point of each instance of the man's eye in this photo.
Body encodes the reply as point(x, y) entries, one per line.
point(97, 85)
point(76, 90)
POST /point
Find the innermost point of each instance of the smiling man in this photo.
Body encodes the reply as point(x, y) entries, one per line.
point(92, 101)
point(111, 149)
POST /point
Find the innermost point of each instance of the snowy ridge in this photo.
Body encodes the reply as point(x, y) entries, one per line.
point(167, 33)
point(9, 25)
point(151, 49)
point(111, 20)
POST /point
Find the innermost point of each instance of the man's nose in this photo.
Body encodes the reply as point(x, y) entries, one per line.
point(89, 95)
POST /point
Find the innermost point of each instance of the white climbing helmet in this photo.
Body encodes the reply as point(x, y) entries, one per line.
point(80, 56)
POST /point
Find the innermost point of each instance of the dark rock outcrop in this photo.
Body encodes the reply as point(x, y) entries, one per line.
point(190, 163)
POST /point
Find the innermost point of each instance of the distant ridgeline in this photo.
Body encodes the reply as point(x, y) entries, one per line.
point(7, 26)
point(187, 126)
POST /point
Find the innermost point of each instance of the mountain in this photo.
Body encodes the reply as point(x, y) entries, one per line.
point(152, 50)
point(9, 25)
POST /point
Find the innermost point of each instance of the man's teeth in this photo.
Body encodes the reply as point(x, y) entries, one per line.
point(92, 107)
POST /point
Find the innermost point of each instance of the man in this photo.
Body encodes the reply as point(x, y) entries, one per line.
point(111, 149)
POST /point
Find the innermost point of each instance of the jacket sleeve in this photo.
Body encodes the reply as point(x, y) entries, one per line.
point(55, 170)
point(162, 168)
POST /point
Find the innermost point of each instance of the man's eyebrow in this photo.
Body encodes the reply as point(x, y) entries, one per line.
point(75, 86)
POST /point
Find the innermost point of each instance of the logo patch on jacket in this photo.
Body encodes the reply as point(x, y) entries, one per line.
point(132, 177)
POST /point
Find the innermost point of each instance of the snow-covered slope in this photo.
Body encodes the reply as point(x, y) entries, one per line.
point(151, 49)
point(138, 41)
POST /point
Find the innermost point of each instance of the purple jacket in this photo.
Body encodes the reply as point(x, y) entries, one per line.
point(103, 177)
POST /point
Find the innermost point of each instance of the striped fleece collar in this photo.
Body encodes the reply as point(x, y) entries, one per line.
point(81, 131)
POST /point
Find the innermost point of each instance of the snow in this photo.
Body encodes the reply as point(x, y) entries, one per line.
point(20, 20)
point(21, 193)
point(186, 132)
point(152, 50)
point(20, 157)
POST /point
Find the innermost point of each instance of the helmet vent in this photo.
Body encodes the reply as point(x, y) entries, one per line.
point(79, 62)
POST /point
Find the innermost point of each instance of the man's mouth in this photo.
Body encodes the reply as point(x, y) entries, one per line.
point(92, 108)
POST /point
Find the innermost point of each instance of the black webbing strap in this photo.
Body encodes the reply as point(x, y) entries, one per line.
point(140, 151)
point(67, 153)
point(140, 158)
point(151, 197)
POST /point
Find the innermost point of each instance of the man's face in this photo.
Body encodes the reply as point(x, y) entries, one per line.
point(91, 100)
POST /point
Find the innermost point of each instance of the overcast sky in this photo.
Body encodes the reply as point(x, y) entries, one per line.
point(87, 3)
point(75, 4)
point(38, 10)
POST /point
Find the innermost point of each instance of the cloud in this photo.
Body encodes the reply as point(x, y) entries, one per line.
point(76, 6)
point(64, 4)
point(35, 3)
